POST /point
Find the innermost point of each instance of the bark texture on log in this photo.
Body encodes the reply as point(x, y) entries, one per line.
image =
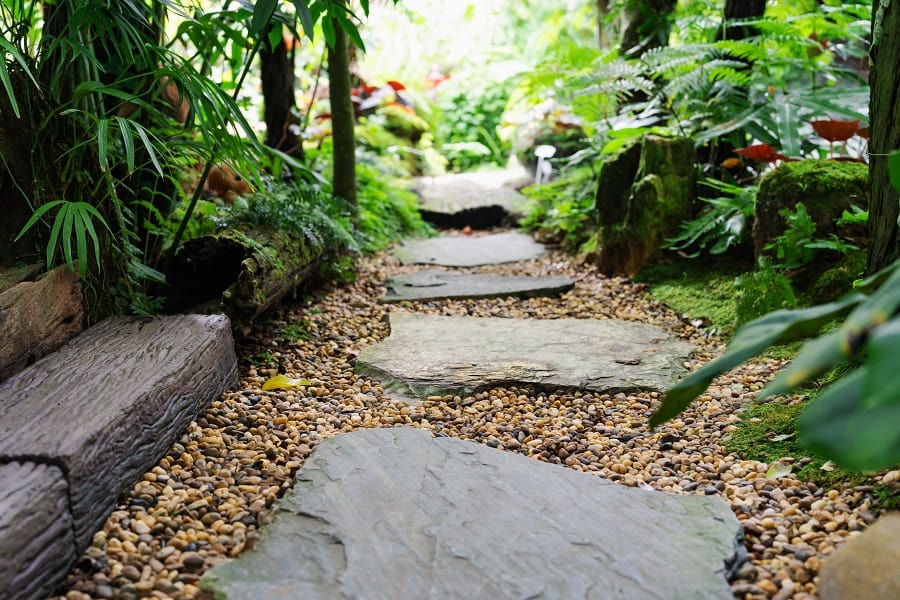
point(110, 403)
point(36, 542)
point(241, 271)
point(38, 314)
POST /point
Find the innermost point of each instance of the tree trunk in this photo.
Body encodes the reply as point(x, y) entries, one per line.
point(648, 26)
point(277, 74)
point(884, 107)
point(342, 119)
point(604, 40)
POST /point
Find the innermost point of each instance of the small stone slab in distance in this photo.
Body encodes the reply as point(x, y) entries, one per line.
point(469, 251)
point(429, 355)
point(394, 513)
point(36, 543)
point(108, 405)
point(433, 284)
point(480, 200)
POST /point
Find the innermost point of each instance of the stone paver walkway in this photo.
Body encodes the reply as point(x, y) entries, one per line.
point(399, 514)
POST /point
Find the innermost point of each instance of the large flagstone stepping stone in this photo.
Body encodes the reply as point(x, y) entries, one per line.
point(434, 284)
point(469, 251)
point(429, 355)
point(478, 200)
point(394, 513)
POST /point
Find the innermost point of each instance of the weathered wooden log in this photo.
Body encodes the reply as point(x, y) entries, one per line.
point(242, 272)
point(110, 403)
point(36, 544)
point(38, 314)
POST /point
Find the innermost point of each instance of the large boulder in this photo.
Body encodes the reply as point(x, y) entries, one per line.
point(38, 314)
point(866, 566)
point(644, 192)
point(825, 187)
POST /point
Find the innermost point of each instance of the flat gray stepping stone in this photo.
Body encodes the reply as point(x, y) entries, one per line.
point(479, 200)
point(469, 251)
point(428, 355)
point(108, 404)
point(36, 542)
point(434, 284)
point(394, 513)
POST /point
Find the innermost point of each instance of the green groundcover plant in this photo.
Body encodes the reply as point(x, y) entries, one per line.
point(854, 420)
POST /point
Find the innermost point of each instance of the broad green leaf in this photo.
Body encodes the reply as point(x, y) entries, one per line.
point(89, 227)
point(262, 14)
point(882, 385)
point(836, 426)
point(777, 327)
point(880, 307)
point(306, 19)
point(283, 382)
point(894, 169)
point(815, 357)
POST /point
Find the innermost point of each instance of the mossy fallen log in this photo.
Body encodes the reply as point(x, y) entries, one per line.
point(242, 271)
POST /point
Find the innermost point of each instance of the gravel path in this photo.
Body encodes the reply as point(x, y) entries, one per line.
point(204, 502)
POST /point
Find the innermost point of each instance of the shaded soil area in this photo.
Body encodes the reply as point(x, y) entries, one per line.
point(205, 501)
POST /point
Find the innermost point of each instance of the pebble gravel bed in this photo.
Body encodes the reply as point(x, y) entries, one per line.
point(205, 501)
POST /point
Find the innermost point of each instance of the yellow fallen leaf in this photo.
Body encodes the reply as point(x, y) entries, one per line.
point(780, 468)
point(283, 382)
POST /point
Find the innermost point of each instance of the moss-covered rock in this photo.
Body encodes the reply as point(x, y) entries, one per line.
point(644, 192)
point(825, 187)
point(838, 280)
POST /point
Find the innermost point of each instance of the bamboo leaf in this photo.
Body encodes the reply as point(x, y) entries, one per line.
point(150, 151)
point(54, 232)
point(306, 19)
point(127, 141)
point(66, 238)
point(262, 14)
point(80, 242)
point(40, 212)
point(103, 143)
